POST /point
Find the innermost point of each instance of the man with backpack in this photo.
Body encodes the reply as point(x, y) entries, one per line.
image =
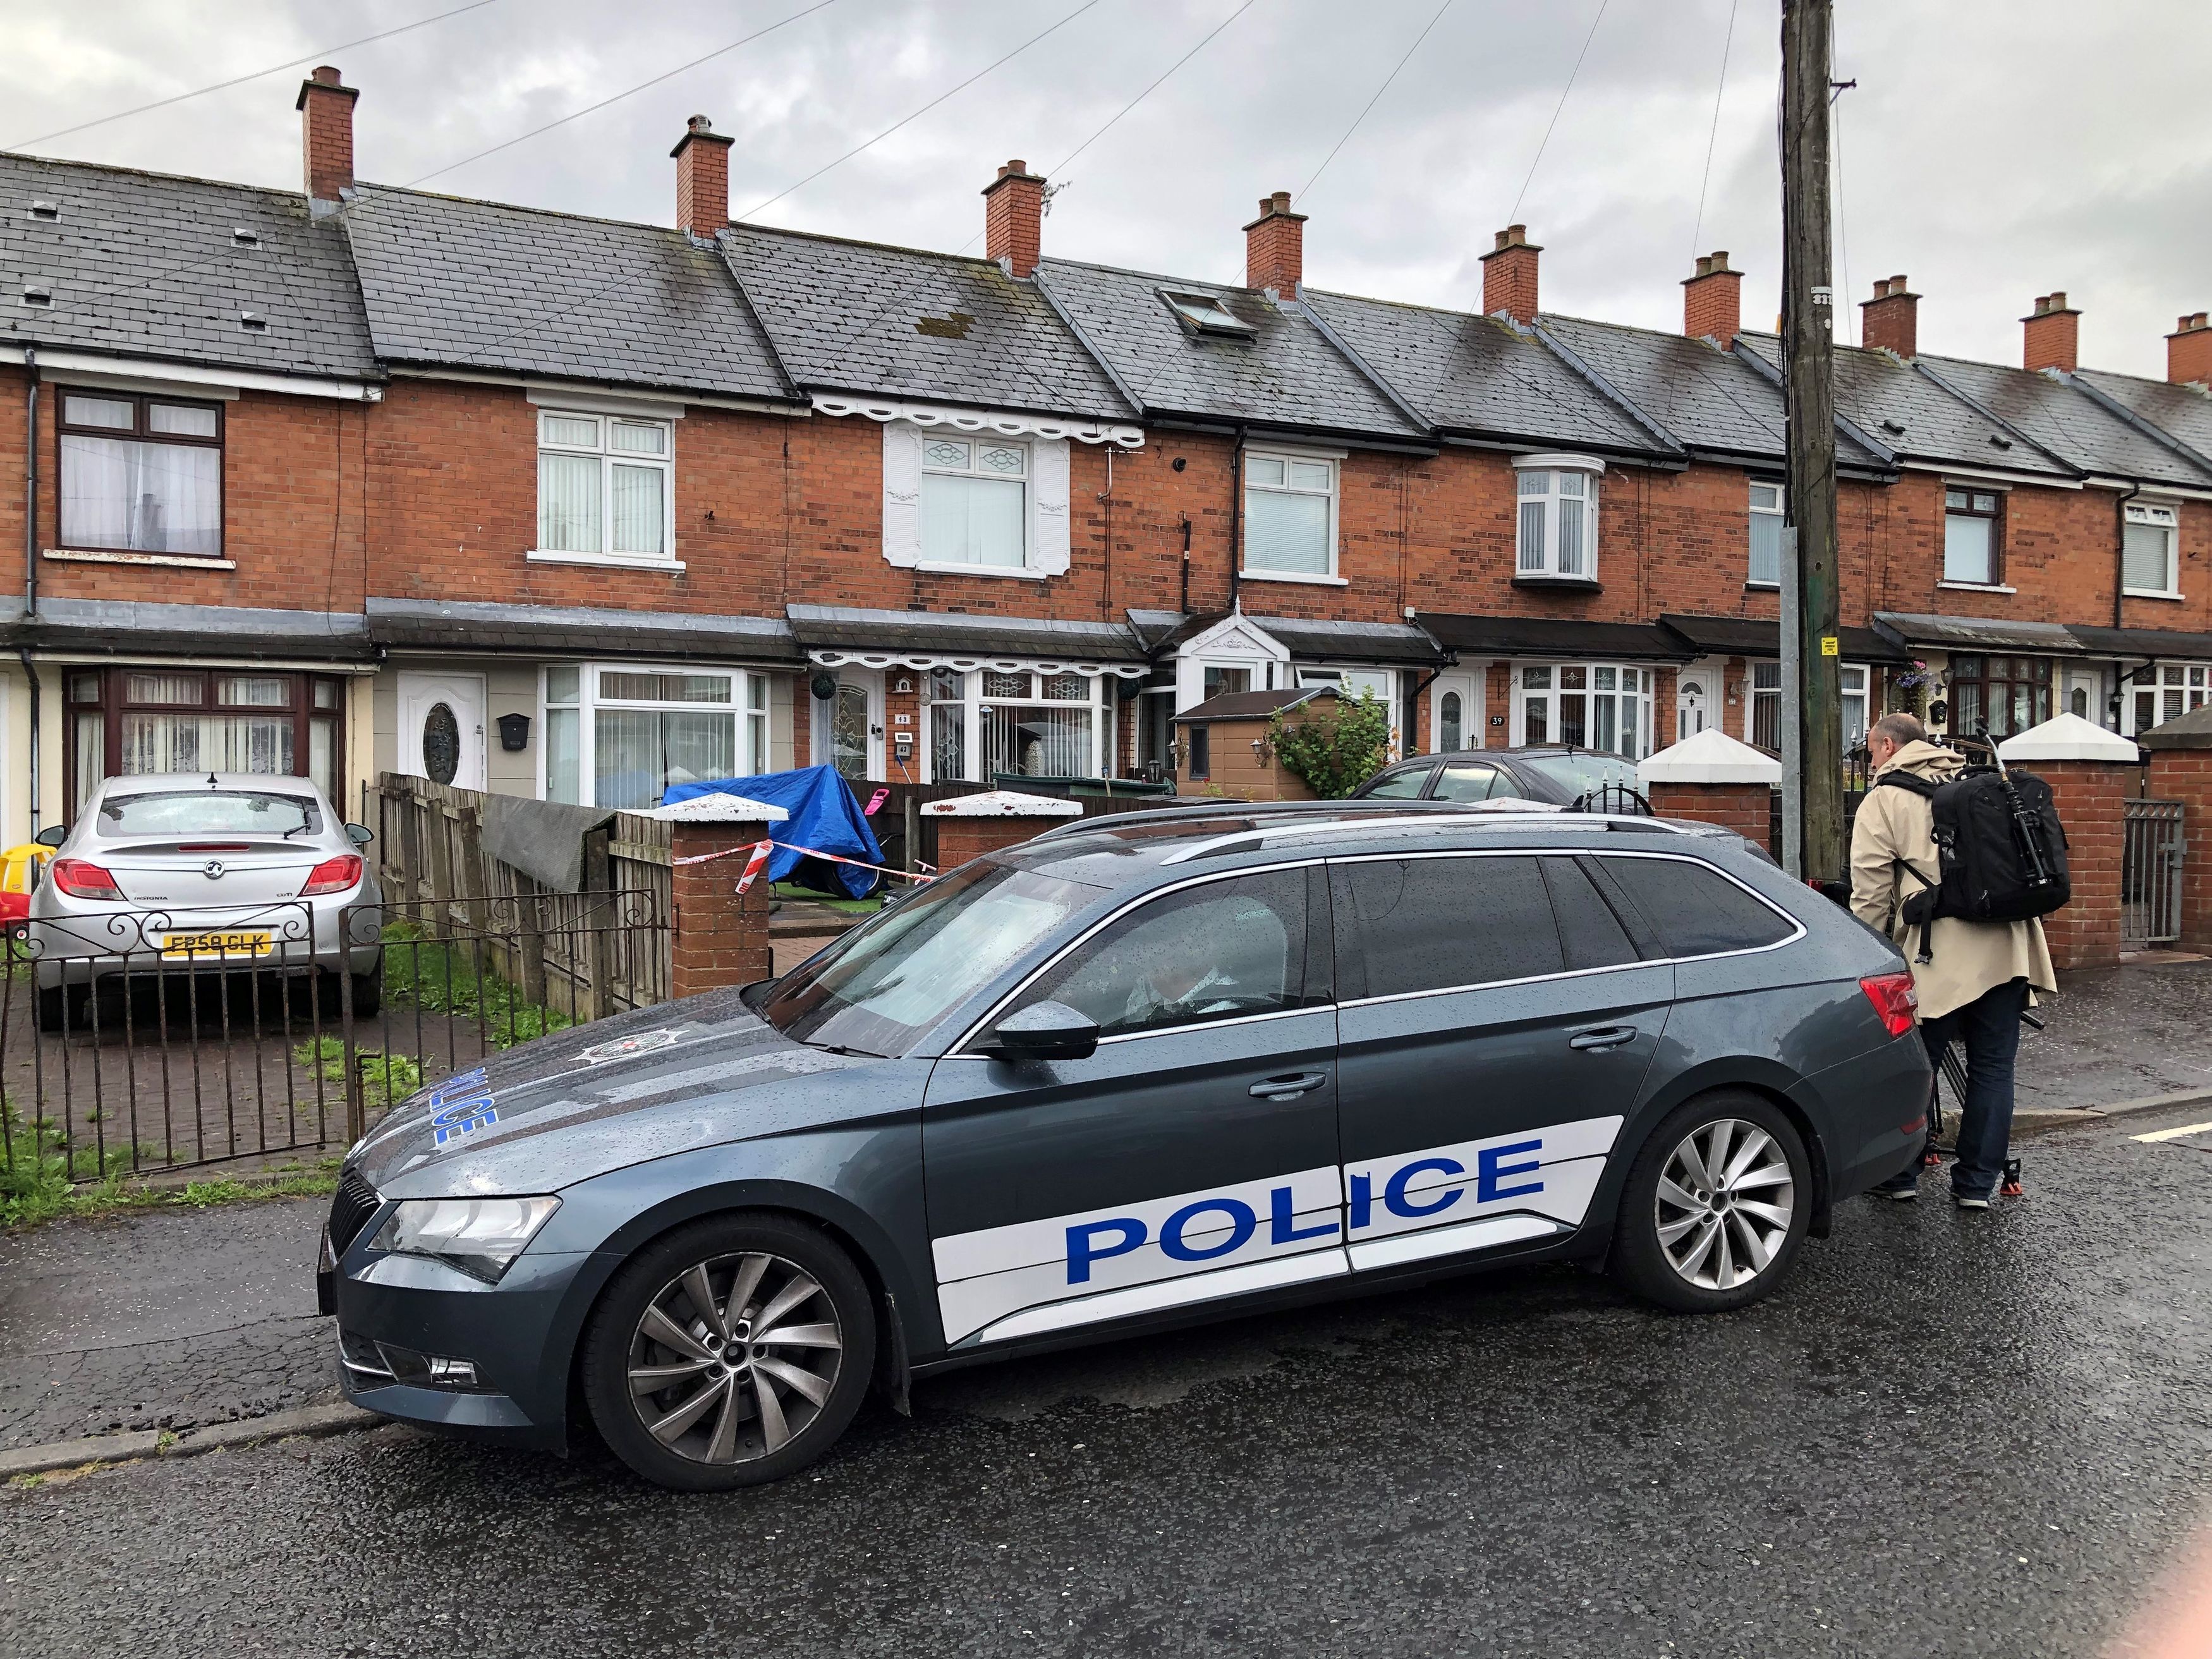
point(1958, 864)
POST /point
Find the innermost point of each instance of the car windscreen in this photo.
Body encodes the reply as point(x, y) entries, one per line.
point(881, 986)
point(209, 812)
point(1580, 773)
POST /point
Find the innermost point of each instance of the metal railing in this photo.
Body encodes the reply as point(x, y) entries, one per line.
point(149, 1040)
point(2152, 851)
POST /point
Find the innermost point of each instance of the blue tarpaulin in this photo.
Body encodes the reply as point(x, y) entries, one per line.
point(825, 816)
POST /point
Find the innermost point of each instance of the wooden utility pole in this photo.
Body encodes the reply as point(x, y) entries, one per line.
point(1808, 320)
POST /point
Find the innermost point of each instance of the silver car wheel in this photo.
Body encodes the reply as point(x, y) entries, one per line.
point(734, 1356)
point(1724, 1204)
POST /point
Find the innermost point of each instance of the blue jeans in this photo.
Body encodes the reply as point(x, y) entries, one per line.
point(1988, 1026)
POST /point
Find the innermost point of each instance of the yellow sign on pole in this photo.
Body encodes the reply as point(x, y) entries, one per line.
point(1829, 645)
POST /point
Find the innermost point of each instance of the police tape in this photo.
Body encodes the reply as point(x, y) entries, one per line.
point(756, 856)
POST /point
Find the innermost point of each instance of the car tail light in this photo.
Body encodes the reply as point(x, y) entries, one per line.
point(334, 875)
point(1895, 1002)
point(83, 878)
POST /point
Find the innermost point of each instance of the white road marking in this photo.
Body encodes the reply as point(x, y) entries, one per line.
point(2175, 1134)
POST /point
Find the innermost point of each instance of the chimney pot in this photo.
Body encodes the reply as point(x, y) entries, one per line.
point(1891, 320)
point(1014, 218)
point(2050, 336)
point(2189, 352)
point(1712, 301)
point(1275, 246)
point(1509, 276)
point(702, 179)
point(325, 106)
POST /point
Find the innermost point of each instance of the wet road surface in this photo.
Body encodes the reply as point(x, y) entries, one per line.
point(1951, 1434)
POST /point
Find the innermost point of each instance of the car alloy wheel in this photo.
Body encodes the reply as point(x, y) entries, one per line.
point(734, 1358)
point(1724, 1204)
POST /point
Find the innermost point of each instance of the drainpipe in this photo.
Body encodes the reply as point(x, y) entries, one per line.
point(1236, 522)
point(1184, 606)
point(2120, 582)
point(31, 563)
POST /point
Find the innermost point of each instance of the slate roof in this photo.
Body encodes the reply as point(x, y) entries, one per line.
point(1466, 374)
point(1287, 377)
point(1703, 398)
point(456, 283)
point(1252, 705)
point(2071, 426)
point(2182, 412)
point(850, 628)
point(859, 316)
point(143, 265)
point(119, 627)
point(1872, 387)
point(1554, 636)
point(1979, 633)
point(473, 625)
point(1755, 636)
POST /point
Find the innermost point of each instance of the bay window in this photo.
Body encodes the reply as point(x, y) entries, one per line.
point(1290, 515)
point(605, 487)
point(141, 474)
point(1603, 706)
point(1555, 538)
point(2149, 554)
point(986, 722)
point(617, 736)
point(975, 502)
point(130, 722)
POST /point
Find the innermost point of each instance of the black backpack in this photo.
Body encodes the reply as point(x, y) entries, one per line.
point(2002, 849)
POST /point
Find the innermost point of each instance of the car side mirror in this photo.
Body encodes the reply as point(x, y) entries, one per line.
point(360, 834)
point(1045, 1031)
point(52, 836)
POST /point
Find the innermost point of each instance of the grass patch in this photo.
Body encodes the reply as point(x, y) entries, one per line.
point(42, 1179)
point(385, 1078)
point(843, 903)
point(447, 979)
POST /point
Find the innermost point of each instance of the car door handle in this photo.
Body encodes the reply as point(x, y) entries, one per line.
point(1289, 1086)
point(1602, 1036)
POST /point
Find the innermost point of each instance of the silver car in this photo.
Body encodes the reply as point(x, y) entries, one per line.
point(204, 874)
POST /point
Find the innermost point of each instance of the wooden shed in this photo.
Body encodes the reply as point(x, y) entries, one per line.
point(1225, 748)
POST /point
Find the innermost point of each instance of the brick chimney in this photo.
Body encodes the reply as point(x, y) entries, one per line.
point(2049, 337)
point(1712, 301)
point(1509, 276)
point(2189, 352)
point(1891, 320)
point(1014, 218)
point(1275, 246)
point(702, 179)
point(325, 109)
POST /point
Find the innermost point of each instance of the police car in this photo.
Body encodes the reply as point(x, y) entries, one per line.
point(1143, 1072)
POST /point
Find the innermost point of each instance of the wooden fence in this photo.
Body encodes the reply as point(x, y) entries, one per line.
point(431, 859)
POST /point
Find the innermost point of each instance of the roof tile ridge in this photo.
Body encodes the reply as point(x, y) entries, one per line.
point(670, 231)
point(782, 231)
point(1428, 426)
point(153, 174)
point(1669, 444)
point(2140, 424)
point(1919, 367)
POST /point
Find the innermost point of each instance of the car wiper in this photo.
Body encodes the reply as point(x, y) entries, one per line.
point(840, 1049)
point(289, 834)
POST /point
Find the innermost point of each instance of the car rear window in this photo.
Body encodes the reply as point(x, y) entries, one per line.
point(1436, 924)
point(1467, 780)
point(1696, 910)
point(1579, 774)
point(209, 812)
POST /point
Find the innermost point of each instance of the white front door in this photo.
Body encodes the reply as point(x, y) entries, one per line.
point(849, 725)
point(441, 728)
point(1690, 702)
point(2085, 695)
point(1455, 713)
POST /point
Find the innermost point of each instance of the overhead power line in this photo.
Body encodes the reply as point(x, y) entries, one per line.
point(630, 91)
point(316, 56)
point(918, 114)
point(1712, 135)
point(1371, 102)
point(1516, 214)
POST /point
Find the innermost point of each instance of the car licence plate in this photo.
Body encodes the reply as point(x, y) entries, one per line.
point(218, 943)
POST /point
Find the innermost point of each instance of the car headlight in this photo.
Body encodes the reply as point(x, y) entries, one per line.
point(480, 1236)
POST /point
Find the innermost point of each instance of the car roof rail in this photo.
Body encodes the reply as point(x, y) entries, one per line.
point(1331, 811)
point(1240, 841)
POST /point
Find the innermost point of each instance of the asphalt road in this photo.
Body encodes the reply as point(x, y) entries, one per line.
point(1952, 1434)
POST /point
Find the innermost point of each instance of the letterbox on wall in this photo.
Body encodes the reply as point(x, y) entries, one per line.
point(513, 731)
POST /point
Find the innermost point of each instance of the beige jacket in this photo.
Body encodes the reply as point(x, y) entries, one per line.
point(1896, 827)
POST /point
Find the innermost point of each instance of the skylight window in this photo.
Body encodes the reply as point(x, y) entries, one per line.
point(1207, 314)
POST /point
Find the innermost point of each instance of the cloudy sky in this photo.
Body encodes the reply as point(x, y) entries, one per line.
point(1992, 150)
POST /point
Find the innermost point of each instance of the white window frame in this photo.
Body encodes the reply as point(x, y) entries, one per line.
point(604, 423)
point(1993, 579)
point(2188, 683)
point(974, 444)
point(974, 700)
point(1540, 479)
point(1288, 459)
point(748, 706)
point(1645, 693)
point(1779, 510)
point(2156, 515)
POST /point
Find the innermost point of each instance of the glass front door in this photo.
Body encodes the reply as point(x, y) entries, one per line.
point(849, 732)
